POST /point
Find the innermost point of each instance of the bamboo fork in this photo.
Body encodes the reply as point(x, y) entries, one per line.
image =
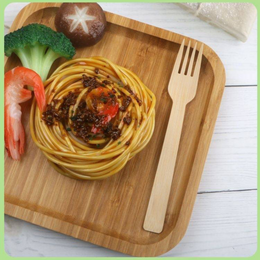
point(182, 89)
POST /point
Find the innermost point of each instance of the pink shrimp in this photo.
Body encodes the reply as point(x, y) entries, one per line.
point(15, 80)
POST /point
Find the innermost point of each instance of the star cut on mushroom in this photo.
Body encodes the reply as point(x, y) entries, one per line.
point(80, 18)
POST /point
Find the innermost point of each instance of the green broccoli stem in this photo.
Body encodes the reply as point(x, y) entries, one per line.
point(49, 58)
point(38, 59)
point(24, 56)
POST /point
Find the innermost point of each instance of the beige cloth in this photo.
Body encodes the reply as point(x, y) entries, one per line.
point(235, 18)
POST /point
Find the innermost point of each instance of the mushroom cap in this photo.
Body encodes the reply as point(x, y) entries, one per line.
point(83, 23)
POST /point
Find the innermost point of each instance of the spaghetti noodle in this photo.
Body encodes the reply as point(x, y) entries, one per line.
point(99, 115)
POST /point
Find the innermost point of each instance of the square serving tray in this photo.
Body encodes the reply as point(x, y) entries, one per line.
point(111, 212)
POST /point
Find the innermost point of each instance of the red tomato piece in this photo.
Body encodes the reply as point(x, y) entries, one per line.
point(103, 102)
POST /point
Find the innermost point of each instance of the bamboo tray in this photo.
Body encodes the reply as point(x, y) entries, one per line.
point(110, 213)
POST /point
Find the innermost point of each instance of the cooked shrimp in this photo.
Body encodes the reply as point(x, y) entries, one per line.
point(15, 80)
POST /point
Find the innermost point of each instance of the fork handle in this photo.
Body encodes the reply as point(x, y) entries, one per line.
point(156, 211)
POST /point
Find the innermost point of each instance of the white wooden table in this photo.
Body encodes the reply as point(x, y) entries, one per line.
point(224, 219)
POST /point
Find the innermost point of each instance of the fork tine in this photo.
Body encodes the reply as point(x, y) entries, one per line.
point(198, 63)
point(192, 60)
point(178, 59)
point(184, 64)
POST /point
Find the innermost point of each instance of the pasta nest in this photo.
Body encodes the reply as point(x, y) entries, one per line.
point(100, 157)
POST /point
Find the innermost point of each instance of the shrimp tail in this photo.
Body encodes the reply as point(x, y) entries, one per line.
point(15, 147)
point(14, 136)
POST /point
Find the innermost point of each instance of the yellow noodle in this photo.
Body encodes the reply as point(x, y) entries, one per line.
point(74, 158)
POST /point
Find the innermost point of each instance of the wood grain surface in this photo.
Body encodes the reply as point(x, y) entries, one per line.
point(217, 228)
point(230, 170)
point(239, 59)
point(111, 212)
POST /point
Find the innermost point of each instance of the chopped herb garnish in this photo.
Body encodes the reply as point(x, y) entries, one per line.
point(104, 100)
point(73, 118)
point(92, 137)
point(119, 142)
point(97, 145)
point(68, 129)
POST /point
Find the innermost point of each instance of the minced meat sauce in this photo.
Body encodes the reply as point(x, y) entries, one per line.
point(87, 122)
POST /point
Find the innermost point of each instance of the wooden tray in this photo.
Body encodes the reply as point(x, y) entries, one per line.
point(110, 213)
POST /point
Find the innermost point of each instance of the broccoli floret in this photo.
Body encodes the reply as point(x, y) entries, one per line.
point(38, 46)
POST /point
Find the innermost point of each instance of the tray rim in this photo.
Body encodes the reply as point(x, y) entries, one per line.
point(171, 241)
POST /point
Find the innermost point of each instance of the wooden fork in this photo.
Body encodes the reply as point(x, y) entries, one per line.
point(182, 89)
